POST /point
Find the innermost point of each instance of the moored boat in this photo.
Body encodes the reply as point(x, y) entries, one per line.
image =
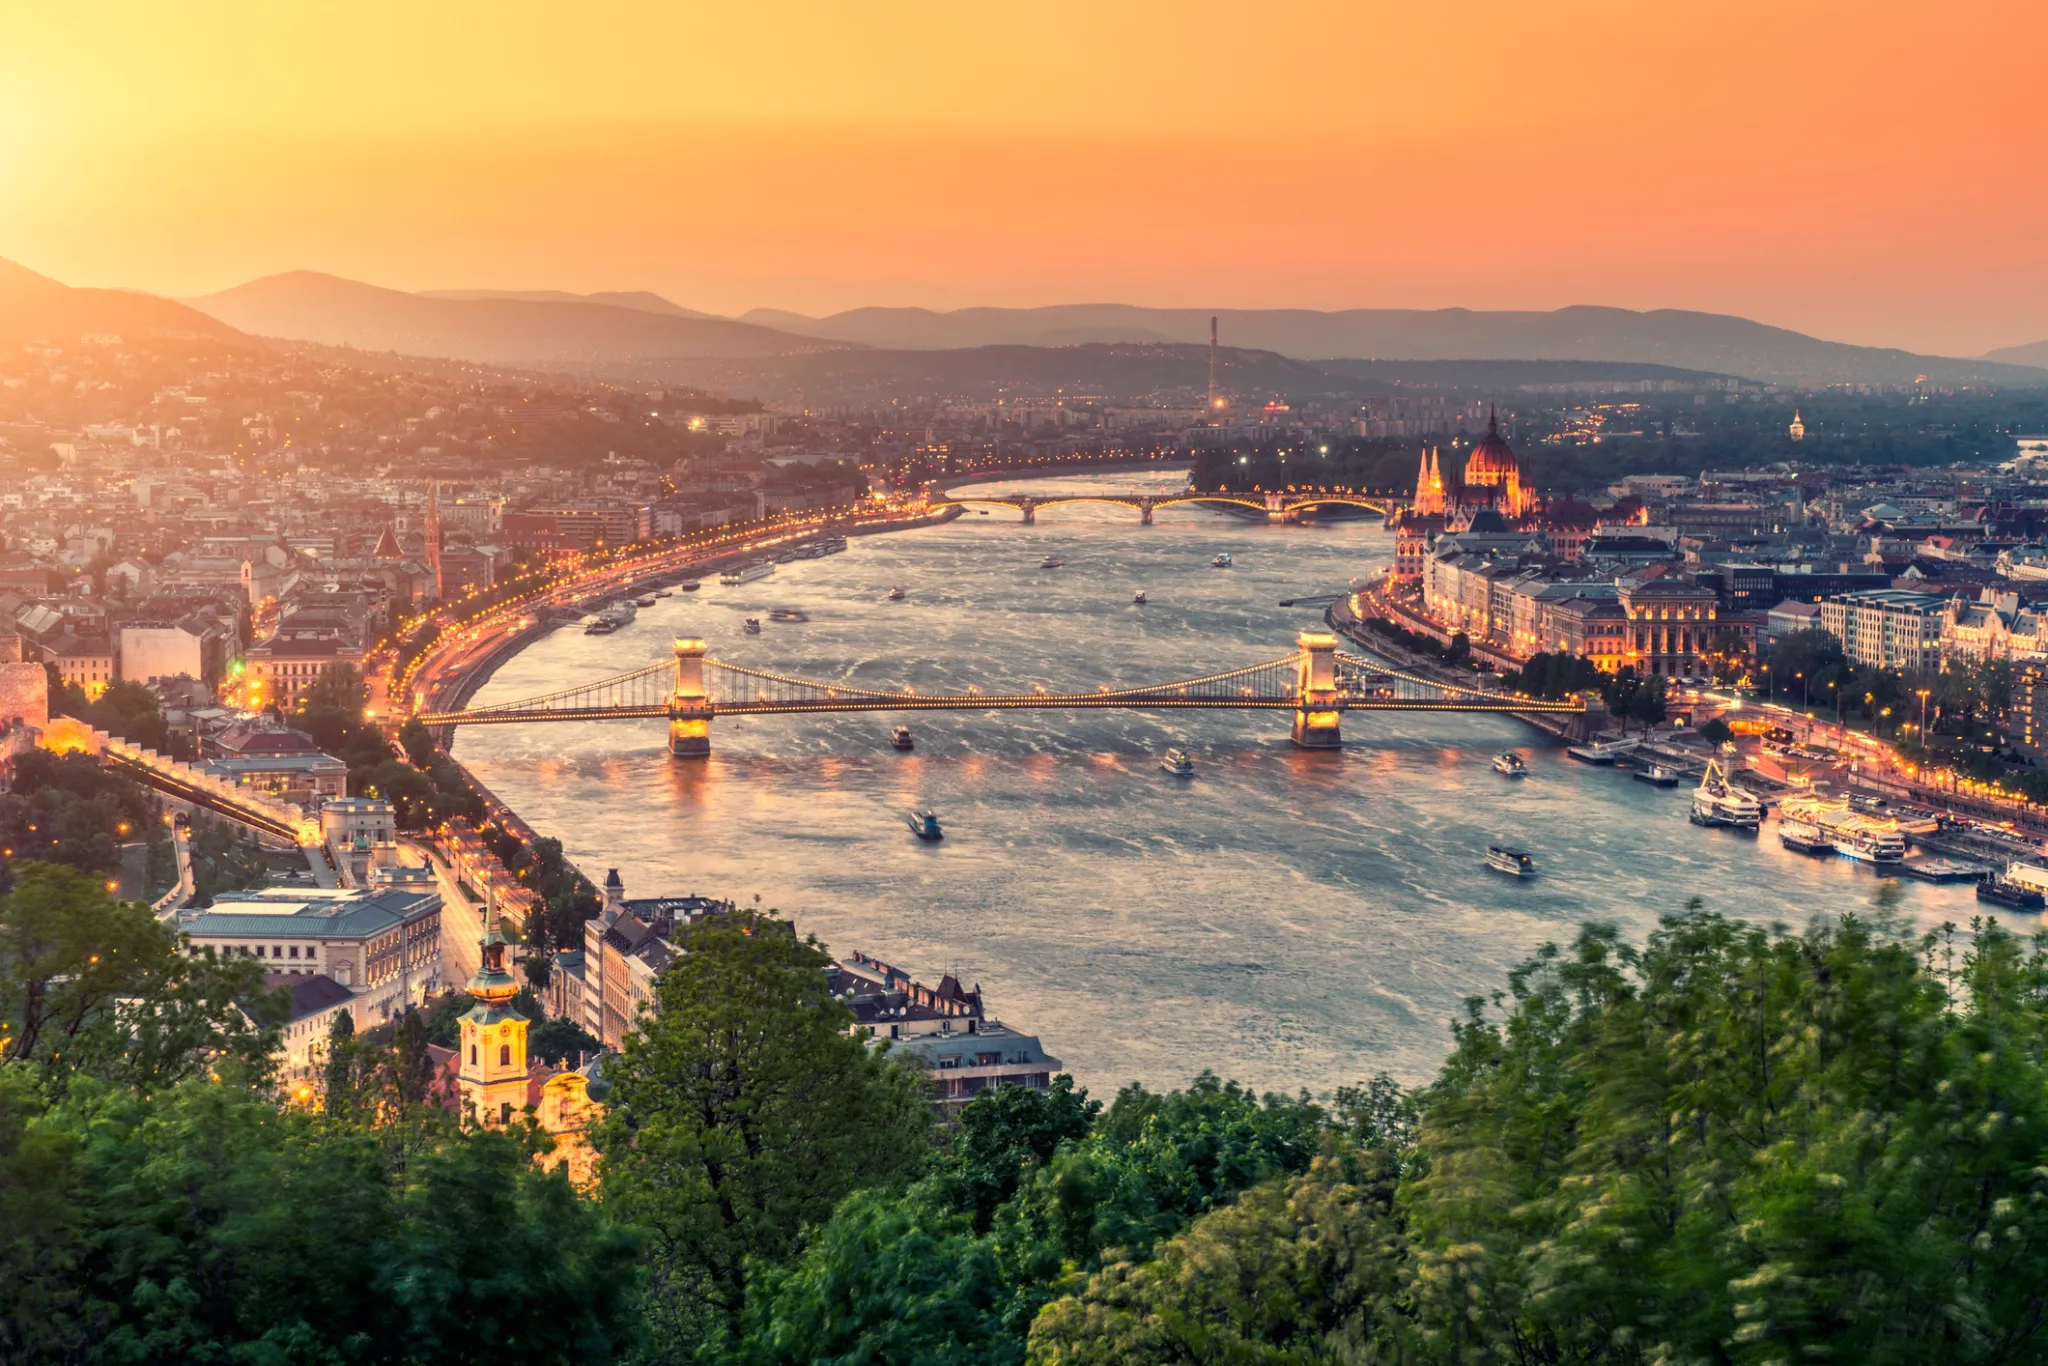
point(1656, 775)
point(1509, 764)
point(1716, 801)
point(1602, 755)
point(1513, 862)
point(2015, 896)
point(690, 585)
point(925, 825)
point(747, 573)
point(1849, 832)
point(1802, 836)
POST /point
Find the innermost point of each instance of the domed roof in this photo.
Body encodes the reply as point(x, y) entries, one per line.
point(1492, 460)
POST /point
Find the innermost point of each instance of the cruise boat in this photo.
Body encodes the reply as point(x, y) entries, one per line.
point(895, 595)
point(2015, 896)
point(610, 620)
point(1138, 598)
point(1865, 838)
point(1178, 762)
point(752, 626)
point(647, 601)
point(899, 738)
point(925, 825)
point(690, 585)
point(1602, 755)
point(1803, 836)
point(1656, 775)
point(1221, 562)
point(1509, 764)
point(1051, 562)
point(1716, 801)
point(1513, 862)
point(747, 573)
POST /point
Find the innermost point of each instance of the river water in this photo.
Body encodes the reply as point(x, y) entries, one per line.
point(1286, 918)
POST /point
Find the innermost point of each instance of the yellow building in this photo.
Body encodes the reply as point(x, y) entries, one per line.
point(492, 1066)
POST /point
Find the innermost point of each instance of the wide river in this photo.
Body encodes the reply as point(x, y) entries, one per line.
point(1289, 919)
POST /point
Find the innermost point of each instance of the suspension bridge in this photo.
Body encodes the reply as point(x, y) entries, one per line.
point(1318, 683)
point(1278, 506)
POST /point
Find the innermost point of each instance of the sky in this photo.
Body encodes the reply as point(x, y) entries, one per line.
point(1874, 172)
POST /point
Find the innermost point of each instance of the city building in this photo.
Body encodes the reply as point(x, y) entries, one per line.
point(294, 658)
point(625, 947)
point(1670, 625)
point(301, 779)
point(943, 1029)
point(384, 946)
point(315, 1001)
point(1888, 628)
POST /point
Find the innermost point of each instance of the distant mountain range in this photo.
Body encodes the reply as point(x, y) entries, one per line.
point(637, 333)
point(36, 308)
point(1675, 337)
point(2033, 353)
point(580, 332)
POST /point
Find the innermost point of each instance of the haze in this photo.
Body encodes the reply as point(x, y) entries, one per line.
point(1866, 172)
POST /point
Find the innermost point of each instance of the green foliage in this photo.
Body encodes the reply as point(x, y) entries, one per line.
point(560, 1041)
point(90, 985)
point(203, 1223)
point(1716, 732)
point(126, 708)
point(1005, 1131)
point(1557, 675)
point(68, 809)
point(741, 1112)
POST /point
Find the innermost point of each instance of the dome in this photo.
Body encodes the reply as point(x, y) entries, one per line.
point(1492, 460)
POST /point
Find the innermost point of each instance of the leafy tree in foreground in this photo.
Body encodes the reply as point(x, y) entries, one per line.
point(740, 1112)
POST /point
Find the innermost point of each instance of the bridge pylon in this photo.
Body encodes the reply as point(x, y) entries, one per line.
point(689, 705)
point(1317, 714)
point(1278, 511)
point(1029, 507)
point(1145, 511)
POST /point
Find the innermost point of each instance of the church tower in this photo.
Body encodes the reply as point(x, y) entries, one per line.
point(493, 1062)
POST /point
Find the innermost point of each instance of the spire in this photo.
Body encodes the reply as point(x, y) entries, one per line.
point(492, 985)
point(1421, 503)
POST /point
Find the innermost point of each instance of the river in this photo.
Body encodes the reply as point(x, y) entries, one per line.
point(1285, 918)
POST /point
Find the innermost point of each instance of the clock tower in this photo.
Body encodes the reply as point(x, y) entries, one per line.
point(493, 1071)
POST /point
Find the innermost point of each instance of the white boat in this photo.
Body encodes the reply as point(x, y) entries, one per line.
point(1596, 754)
point(1220, 562)
point(1856, 834)
point(1716, 801)
point(1138, 599)
point(747, 573)
point(1051, 562)
point(1656, 775)
point(895, 595)
point(1178, 762)
point(1513, 862)
point(690, 585)
point(1509, 764)
point(899, 738)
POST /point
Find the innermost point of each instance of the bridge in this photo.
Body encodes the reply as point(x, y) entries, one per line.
point(1277, 506)
point(1318, 683)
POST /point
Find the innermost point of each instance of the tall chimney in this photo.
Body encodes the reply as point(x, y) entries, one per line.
point(1212, 362)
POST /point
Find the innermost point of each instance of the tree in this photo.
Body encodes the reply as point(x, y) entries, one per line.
point(93, 985)
point(1007, 1129)
point(742, 1110)
point(339, 687)
point(418, 743)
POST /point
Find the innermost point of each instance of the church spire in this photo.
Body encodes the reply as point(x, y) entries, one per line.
point(493, 1060)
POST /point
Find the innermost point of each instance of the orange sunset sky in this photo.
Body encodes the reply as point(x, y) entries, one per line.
point(1873, 172)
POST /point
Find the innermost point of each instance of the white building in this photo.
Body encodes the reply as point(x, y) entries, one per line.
point(1888, 628)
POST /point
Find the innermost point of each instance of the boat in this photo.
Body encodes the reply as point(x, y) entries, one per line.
point(664, 592)
point(1855, 834)
point(1178, 762)
point(647, 601)
point(1803, 836)
point(1602, 755)
point(895, 595)
point(788, 614)
point(1138, 598)
point(925, 825)
point(747, 573)
point(603, 626)
point(753, 626)
point(1051, 562)
point(690, 585)
point(1716, 801)
point(1513, 862)
point(1221, 562)
point(2012, 895)
point(1656, 775)
point(1509, 764)
point(899, 738)
point(610, 620)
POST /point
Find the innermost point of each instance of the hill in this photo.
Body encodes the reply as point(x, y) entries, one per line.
point(645, 300)
point(305, 305)
point(36, 308)
point(1675, 337)
point(2033, 353)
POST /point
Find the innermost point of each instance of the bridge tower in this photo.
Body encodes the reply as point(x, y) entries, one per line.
point(689, 705)
point(1317, 716)
point(1145, 510)
point(1029, 506)
point(1278, 511)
